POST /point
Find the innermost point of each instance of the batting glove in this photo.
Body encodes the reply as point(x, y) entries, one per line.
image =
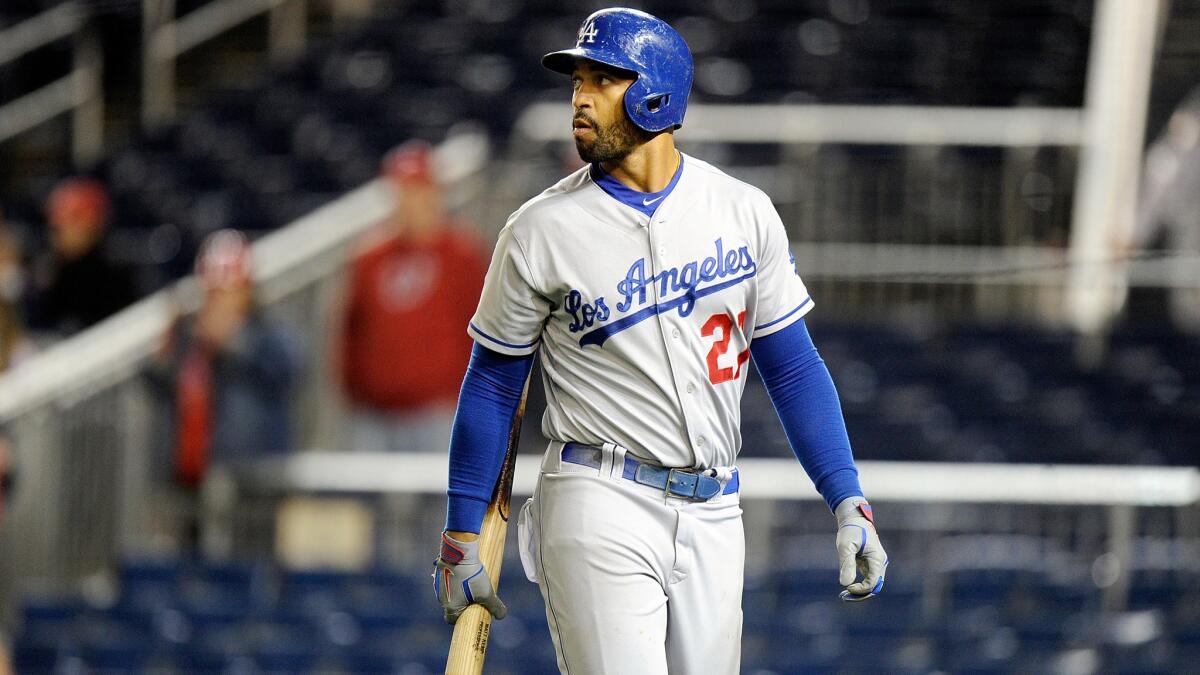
point(459, 580)
point(861, 558)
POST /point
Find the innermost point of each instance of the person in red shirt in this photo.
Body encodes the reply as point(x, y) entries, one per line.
point(413, 288)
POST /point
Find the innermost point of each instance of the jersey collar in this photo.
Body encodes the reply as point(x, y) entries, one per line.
point(645, 202)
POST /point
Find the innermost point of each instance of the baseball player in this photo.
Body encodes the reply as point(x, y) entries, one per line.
point(646, 281)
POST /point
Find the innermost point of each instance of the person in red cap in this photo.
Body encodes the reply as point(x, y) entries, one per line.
point(228, 372)
point(76, 283)
point(413, 286)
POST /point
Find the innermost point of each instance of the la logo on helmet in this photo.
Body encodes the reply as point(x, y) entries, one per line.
point(587, 33)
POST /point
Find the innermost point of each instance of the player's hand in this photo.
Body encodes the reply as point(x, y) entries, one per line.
point(459, 580)
point(861, 558)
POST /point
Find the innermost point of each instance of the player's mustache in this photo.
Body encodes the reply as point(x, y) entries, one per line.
point(584, 118)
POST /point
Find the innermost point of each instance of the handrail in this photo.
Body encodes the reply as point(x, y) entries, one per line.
point(79, 92)
point(764, 478)
point(205, 23)
point(53, 24)
point(32, 109)
point(870, 124)
point(987, 265)
point(166, 37)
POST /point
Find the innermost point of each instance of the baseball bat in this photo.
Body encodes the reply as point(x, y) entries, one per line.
point(468, 645)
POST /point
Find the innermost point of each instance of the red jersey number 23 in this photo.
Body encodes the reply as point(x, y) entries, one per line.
point(723, 323)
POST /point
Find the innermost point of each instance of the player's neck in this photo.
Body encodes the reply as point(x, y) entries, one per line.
point(650, 167)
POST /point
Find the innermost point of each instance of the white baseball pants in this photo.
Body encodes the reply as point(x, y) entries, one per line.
point(634, 582)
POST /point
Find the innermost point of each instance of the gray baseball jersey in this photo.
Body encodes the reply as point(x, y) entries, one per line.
point(643, 323)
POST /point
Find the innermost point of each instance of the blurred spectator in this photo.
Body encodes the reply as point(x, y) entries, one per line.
point(1169, 213)
point(76, 283)
point(14, 347)
point(12, 271)
point(228, 372)
point(413, 288)
point(7, 480)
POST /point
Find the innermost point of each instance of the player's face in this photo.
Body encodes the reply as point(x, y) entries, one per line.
point(602, 130)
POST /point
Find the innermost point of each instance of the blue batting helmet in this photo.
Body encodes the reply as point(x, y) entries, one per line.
point(644, 45)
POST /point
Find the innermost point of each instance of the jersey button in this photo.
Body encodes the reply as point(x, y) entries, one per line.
point(675, 333)
point(701, 442)
point(691, 388)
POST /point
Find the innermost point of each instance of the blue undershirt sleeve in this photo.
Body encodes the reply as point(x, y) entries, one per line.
point(487, 403)
point(807, 403)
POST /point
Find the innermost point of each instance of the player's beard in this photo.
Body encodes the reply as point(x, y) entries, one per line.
point(612, 142)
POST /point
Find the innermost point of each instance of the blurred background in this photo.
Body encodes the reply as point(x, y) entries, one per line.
point(240, 240)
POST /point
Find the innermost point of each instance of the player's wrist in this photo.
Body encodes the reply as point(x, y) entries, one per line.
point(854, 507)
point(462, 536)
point(455, 551)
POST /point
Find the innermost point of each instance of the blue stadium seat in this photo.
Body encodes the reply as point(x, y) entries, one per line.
point(287, 657)
point(35, 654)
point(125, 654)
point(213, 609)
point(312, 592)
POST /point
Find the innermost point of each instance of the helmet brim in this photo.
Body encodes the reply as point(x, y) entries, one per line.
point(564, 61)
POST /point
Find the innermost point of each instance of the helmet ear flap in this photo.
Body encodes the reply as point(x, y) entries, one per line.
point(648, 108)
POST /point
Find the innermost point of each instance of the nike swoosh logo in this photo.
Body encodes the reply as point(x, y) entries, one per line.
point(648, 202)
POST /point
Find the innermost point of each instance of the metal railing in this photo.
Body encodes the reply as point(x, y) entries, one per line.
point(85, 425)
point(89, 439)
point(79, 92)
point(874, 184)
point(168, 37)
point(934, 509)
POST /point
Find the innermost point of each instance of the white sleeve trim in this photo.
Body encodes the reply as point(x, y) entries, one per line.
point(786, 320)
point(498, 345)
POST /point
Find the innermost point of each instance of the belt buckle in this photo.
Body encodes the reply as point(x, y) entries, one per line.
point(687, 480)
